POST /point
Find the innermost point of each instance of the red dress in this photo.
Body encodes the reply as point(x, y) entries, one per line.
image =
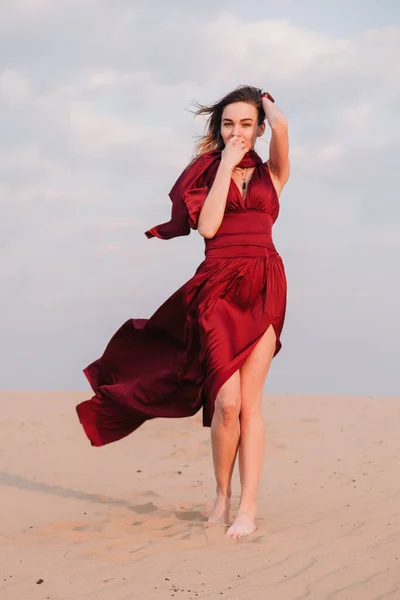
point(174, 363)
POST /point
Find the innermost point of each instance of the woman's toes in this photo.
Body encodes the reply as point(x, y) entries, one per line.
point(243, 525)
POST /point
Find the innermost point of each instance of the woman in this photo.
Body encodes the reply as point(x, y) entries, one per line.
point(210, 345)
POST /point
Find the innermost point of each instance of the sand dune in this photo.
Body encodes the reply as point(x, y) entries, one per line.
point(129, 520)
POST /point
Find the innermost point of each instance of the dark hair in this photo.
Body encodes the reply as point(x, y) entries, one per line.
point(212, 138)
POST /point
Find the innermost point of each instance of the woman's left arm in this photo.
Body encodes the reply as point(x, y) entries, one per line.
point(278, 163)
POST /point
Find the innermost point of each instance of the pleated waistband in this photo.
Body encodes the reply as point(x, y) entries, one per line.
point(242, 233)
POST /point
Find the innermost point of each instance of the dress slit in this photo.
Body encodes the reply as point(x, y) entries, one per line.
point(220, 377)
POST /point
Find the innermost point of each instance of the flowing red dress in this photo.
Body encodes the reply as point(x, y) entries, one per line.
point(174, 363)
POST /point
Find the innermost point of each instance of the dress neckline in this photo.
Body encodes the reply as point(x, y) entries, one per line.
point(243, 200)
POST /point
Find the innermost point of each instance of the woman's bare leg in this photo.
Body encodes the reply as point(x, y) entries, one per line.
point(225, 441)
point(252, 433)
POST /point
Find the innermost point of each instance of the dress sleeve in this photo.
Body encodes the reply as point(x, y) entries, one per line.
point(187, 195)
point(184, 216)
point(194, 200)
point(178, 224)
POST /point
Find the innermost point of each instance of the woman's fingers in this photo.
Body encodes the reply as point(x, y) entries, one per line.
point(239, 141)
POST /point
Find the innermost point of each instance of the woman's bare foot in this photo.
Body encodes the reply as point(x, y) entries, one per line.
point(242, 525)
point(220, 512)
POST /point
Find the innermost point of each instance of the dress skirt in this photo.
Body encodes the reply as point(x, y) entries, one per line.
point(174, 363)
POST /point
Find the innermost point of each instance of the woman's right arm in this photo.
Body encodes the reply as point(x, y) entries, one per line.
point(213, 209)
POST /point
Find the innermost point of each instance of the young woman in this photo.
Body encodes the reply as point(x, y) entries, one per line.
point(210, 345)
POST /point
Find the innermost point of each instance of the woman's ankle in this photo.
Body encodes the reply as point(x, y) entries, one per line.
point(247, 507)
point(224, 493)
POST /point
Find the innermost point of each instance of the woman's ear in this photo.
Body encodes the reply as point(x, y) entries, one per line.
point(261, 129)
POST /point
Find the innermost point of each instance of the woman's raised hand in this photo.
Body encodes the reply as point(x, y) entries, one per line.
point(233, 152)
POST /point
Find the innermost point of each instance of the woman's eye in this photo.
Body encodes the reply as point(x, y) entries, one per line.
point(244, 125)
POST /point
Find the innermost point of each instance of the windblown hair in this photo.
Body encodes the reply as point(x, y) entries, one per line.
point(212, 138)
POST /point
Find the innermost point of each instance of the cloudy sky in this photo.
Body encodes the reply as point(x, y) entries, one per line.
point(95, 100)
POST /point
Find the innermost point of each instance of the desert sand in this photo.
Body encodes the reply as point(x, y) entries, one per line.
point(129, 520)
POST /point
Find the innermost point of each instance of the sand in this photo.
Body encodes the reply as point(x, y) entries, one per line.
point(129, 520)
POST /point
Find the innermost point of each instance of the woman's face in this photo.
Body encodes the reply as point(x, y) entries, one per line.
point(240, 118)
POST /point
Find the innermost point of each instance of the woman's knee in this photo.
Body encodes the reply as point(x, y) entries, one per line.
point(228, 400)
point(227, 409)
point(251, 410)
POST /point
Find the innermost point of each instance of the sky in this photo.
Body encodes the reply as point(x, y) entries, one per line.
point(96, 122)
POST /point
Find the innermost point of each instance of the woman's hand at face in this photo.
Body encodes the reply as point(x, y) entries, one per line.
point(233, 152)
